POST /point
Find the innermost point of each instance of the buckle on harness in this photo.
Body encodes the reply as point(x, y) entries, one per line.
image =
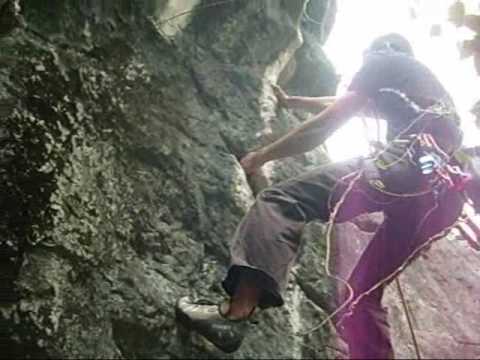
point(433, 163)
point(429, 162)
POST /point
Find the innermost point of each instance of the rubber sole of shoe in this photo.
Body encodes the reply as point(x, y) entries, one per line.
point(183, 319)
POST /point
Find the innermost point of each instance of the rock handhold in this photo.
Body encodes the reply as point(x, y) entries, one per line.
point(10, 17)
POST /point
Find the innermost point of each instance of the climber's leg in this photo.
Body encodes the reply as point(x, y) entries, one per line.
point(245, 299)
point(267, 241)
point(409, 224)
point(364, 328)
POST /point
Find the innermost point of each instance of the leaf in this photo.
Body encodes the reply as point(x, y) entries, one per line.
point(456, 13)
point(436, 30)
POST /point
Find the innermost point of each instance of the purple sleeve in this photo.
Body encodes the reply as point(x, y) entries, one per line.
point(375, 74)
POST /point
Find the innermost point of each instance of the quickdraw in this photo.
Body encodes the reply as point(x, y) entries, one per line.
point(433, 163)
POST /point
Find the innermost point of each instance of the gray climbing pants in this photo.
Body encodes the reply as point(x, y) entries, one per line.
point(267, 241)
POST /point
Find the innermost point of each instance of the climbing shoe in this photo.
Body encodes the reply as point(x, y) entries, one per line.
point(208, 320)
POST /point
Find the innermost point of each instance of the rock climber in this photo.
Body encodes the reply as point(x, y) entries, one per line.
point(415, 181)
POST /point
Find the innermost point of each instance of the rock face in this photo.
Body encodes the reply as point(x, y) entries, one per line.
point(121, 128)
point(441, 291)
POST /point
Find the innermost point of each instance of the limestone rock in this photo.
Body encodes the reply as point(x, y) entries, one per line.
point(120, 136)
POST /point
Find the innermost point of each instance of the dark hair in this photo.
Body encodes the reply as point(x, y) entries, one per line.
point(392, 42)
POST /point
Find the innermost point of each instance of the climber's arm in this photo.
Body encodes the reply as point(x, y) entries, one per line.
point(311, 104)
point(309, 135)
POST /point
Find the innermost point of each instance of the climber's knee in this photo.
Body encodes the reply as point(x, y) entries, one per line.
point(282, 203)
